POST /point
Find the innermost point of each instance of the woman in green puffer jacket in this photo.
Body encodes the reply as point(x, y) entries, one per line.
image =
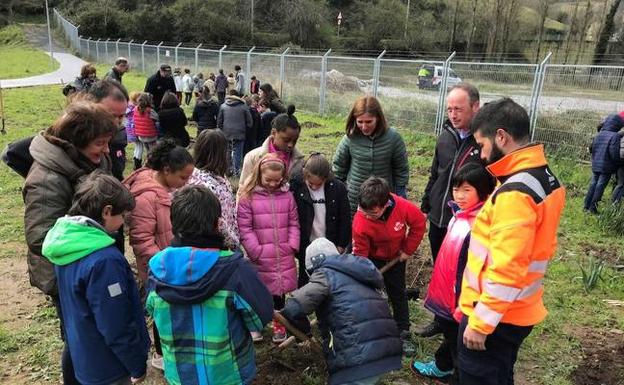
point(370, 148)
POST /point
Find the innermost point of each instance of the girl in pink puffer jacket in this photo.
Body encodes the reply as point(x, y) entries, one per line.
point(269, 230)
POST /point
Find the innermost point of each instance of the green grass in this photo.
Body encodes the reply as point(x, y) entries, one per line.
point(19, 59)
point(548, 356)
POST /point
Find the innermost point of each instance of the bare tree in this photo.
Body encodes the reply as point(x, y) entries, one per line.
point(571, 32)
point(606, 32)
point(543, 7)
point(583, 32)
point(510, 16)
point(473, 27)
point(454, 29)
point(492, 37)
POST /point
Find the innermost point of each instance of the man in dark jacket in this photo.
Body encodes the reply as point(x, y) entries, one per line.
point(159, 83)
point(234, 120)
point(118, 70)
point(454, 148)
point(360, 338)
point(605, 151)
point(114, 97)
point(221, 86)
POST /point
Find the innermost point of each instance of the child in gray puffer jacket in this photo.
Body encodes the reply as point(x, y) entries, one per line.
point(360, 338)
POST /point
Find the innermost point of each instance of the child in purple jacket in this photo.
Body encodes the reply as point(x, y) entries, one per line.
point(269, 228)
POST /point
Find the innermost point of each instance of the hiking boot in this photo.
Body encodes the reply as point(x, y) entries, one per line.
point(430, 330)
point(429, 369)
point(279, 332)
point(408, 346)
point(256, 336)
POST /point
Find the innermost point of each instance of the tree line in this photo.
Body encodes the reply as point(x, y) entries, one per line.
point(476, 29)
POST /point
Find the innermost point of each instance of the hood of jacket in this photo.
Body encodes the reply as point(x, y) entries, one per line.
point(359, 268)
point(263, 191)
point(613, 123)
point(190, 275)
point(142, 180)
point(232, 100)
point(206, 103)
point(61, 156)
point(73, 238)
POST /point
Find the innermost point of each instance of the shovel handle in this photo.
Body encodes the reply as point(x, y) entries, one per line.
point(388, 266)
point(296, 332)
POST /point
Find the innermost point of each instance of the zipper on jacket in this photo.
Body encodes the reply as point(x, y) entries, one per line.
point(448, 184)
point(276, 240)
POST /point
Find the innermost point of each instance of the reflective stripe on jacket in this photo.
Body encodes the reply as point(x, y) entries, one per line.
point(513, 238)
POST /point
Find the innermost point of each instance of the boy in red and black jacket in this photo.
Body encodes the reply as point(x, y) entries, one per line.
point(387, 227)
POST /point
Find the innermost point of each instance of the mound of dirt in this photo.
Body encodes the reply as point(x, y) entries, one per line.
point(337, 81)
point(602, 353)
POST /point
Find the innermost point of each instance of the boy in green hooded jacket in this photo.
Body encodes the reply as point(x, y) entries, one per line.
point(102, 315)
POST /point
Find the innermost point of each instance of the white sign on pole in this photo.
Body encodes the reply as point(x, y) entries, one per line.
point(167, 53)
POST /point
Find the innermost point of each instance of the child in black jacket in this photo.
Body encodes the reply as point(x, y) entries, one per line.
point(323, 208)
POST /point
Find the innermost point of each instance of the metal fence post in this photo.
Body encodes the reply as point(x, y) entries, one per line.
point(282, 71)
point(158, 53)
point(106, 46)
point(538, 93)
point(221, 56)
point(77, 40)
point(376, 72)
point(129, 50)
point(89, 48)
point(117, 47)
point(442, 94)
point(323, 84)
point(176, 53)
point(197, 57)
point(97, 51)
point(143, 56)
point(248, 67)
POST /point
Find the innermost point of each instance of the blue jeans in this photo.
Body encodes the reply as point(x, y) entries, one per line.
point(597, 186)
point(236, 151)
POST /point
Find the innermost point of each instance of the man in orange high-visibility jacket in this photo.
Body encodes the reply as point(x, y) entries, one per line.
point(513, 238)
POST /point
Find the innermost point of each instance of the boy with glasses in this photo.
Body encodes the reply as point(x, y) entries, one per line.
point(387, 227)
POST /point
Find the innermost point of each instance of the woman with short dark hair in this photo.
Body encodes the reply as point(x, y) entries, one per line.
point(64, 154)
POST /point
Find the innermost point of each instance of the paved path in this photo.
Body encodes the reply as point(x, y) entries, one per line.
point(70, 64)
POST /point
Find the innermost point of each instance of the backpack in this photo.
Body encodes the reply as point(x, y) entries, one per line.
point(17, 156)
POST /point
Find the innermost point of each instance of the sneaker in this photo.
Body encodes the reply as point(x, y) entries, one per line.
point(429, 369)
point(256, 336)
point(408, 346)
point(279, 332)
point(157, 362)
point(430, 330)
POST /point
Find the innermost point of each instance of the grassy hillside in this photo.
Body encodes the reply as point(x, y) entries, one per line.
point(19, 58)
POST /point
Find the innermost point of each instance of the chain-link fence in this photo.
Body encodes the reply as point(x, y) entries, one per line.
point(565, 102)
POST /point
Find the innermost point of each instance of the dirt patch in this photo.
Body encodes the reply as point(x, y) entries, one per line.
point(310, 125)
point(292, 366)
point(16, 294)
point(607, 253)
point(601, 362)
point(335, 134)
